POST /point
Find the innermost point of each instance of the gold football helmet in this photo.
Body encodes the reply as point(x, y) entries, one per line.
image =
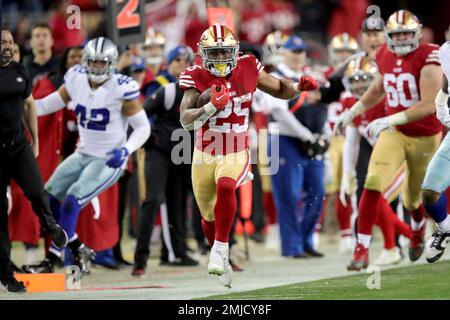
point(152, 49)
point(342, 42)
point(271, 48)
point(154, 38)
point(402, 21)
point(219, 50)
point(358, 75)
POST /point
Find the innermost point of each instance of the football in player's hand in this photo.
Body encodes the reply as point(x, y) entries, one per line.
point(204, 98)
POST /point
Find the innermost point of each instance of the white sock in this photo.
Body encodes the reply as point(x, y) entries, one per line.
point(364, 239)
point(445, 225)
point(415, 226)
point(220, 245)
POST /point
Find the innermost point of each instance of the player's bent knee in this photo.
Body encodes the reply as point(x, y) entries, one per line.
point(226, 185)
point(373, 183)
point(429, 197)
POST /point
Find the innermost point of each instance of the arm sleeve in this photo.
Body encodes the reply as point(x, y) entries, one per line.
point(351, 149)
point(155, 103)
point(333, 92)
point(141, 131)
point(286, 119)
point(50, 104)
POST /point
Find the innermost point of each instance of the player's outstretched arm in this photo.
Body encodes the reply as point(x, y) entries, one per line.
point(53, 102)
point(138, 120)
point(30, 119)
point(283, 88)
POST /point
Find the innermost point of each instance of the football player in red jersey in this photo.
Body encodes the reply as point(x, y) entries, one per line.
point(357, 78)
point(410, 79)
point(221, 158)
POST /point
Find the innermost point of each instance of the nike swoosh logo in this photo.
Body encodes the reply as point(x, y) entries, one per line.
point(220, 98)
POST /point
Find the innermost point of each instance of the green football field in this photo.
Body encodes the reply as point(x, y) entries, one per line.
point(426, 281)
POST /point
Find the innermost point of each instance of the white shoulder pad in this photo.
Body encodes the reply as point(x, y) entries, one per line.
point(72, 76)
point(444, 57)
point(127, 87)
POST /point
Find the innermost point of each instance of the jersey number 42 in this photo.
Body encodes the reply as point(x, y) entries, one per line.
point(98, 118)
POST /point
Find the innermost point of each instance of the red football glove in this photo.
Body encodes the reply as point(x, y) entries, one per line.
point(307, 83)
point(219, 96)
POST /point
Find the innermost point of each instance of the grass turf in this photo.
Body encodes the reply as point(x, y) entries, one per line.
point(426, 281)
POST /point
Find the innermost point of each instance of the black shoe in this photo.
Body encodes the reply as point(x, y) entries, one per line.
point(313, 253)
point(184, 262)
point(258, 237)
point(82, 257)
point(44, 266)
point(12, 285)
point(122, 262)
point(203, 248)
point(300, 256)
point(59, 237)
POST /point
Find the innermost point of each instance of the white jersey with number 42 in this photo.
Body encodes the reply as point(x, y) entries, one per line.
point(101, 124)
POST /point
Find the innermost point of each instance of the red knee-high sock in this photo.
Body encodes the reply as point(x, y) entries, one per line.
point(269, 206)
point(225, 207)
point(368, 211)
point(386, 223)
point(418, 214)
point(209, 229)
point(344, 215)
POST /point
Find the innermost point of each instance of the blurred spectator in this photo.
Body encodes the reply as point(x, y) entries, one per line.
point(254, 24)
point(194, 28)
point(282, 15)
point(63, 36)
point(17, 53)
point(22, 34)
point(42, 61)
point(152, 50)
point(427, 35)
point(347, 16)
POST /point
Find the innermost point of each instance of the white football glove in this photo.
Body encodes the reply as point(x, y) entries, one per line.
point(346, 189)
point(342, 121)
point(375, 127)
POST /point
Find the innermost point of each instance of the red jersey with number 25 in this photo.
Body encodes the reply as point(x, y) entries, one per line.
point(226, 132)
point(401, 79)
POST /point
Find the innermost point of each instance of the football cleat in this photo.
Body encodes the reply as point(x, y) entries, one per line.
point(416, 244)
point(82, 257)
point(12, 285)
point(227, 276)
point(360, 258)
point(388, 257)
point(45, 266)
point(59, 237)
point(436, 245)
point(217, 260)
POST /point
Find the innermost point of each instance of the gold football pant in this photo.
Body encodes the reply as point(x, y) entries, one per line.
point(391, 151)
point(207, 169)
